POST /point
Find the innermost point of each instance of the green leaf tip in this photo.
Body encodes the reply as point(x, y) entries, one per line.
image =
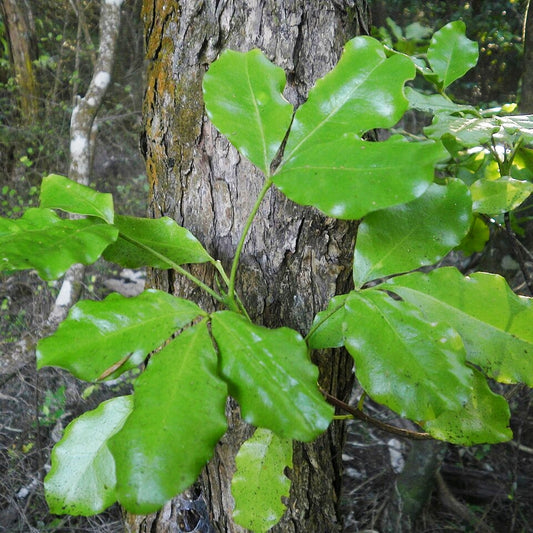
point(269, 373)
point(59, 192)
point(82, 478)
point(243, 95)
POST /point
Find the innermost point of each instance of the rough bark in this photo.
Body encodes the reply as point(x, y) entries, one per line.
point(294, 259)
point(23, 50)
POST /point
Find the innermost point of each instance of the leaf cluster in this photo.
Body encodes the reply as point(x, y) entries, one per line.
point(425, 343)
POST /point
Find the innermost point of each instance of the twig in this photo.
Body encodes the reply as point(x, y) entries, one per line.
point(359, 414)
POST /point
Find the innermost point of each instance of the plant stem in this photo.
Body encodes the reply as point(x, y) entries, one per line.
point(178, 268)
point(240, 245)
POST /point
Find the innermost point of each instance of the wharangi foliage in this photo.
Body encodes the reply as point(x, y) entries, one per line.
point(424, 343)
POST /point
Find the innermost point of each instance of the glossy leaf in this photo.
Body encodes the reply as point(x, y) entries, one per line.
point(408, 236)
point(475, 131)
point(152, 242)
point(433, 103)
point(469, 132)
point(42, 241)
point(97, 335)
point(59, 192)
point(243, 99)
point(451, 54)
point(493, 197)
point(363, 91)
point(349, 177)
point(517, 126)
point(494, 323)
point(415, 367)
point(259, 482)
point(82, 478)
point(483, 419)
point(326, 330)
point(177, 420)
point(269, 373)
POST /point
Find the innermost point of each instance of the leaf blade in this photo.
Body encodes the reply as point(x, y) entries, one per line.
point(243, 97)
point(415, 367)
point(160, 452)
point(494, 197)
point(269, 373)
point(82, 478)
point(408, 236)
point(349, 177)
point(340, 103)
point(97, 335)
point(451, 54)
point(494, 323)
point(59, 192)
point(259, 482)
point(483, 419)
point(49, 244)
point(147, 242)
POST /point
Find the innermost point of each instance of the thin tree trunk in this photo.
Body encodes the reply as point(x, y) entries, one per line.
point(526, 97)
point(294, 259)
point(23, 50)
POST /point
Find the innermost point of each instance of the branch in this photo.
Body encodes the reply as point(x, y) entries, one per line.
point(82, 137)
point(358, 413)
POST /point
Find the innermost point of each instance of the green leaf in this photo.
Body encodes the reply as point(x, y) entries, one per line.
point(517, 126)
point(396, 30)
point(483, 419)
point(494, 323)
point(271, 376)
point(97, 336)
point(82, 478)
point(364, 91)
point(49, 244)
point(243, 99)
point(476, 238)
point(469, 132)
point(148, 242)
point(417, 31)
point(259, 482)
point(326, 330)
point(451, 54)
point(433, 103)
point(59, 192)
point(349, 177)
point(178, 418)
point(493, 197)
point(412, 235)
point(415, 367)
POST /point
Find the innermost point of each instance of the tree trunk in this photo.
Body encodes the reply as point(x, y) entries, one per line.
point(23, 50)
point(294, 259)
point(526, 97)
